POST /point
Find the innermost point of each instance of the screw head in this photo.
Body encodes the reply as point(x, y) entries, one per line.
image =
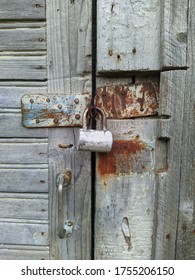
point(60, 106)
point(37, 121)
point(47, 99)
point(77, 116)
point(31, 101)
point(76, 101)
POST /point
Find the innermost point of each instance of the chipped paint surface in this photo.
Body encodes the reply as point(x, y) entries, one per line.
point(125, 158)
point(53, 110)
point(128, 101)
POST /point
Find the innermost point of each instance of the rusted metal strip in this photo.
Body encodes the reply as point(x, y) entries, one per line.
point(129, 101)
point(53, 110)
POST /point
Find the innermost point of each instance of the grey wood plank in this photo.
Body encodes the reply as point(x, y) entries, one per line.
point(21, 206)
point(125, 192)
point(23, 254)
point(22, 39)
point(186, 223)
point(23, 68)
point(11, 126)
point(24, 180)
point(174, 34)
point(23, 153)
point(31, 9)
point(128, 35)
point(173, 88)
point(10, 95)
point(68, 40)
point(23, 233)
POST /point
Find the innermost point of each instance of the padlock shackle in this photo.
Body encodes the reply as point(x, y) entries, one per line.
point(103, 116)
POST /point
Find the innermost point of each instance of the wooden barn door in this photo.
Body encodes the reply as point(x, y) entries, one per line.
point(136, 202)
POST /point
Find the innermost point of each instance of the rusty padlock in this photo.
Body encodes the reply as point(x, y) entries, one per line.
point(95, 140)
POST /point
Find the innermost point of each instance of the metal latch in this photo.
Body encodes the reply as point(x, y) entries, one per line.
point(53, 110)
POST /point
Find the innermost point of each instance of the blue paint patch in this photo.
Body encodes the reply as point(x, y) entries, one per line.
point(53, 110)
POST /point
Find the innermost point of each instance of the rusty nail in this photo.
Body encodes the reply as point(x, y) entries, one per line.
point(55, 121)
point(70, 223)
point(77, 116)
point(37, 120)
point(76, 101)
point(31, 101)
point(60, 106)
point(47, 99)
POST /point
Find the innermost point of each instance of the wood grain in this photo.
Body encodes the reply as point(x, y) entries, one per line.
point(23, 180)
point(8, 252)
point(186, 222)
point(128, 35)
point(173, 88)
point(11, 126)
point(23, 68)
point(22, 39)
point(24, 206)
point(10, 95)
point(174, 34)
point(23, 152)
point(125, 192)
point(68, 36)
point(30, 9)
point(23, 233)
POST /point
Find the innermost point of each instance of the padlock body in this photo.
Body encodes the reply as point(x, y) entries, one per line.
point(95, 140)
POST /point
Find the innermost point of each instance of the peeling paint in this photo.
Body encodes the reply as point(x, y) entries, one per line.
point(128, 101)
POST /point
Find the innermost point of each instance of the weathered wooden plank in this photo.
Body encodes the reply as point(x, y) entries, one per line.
point(24, 180)
point(173, 88)
point(23, 253)
point(10, 95)
point(24, 206)
point(31, 9)
point(23, 68)
point(23, 152)
point(125, 192)
point(22, 39)
point(72, 40)
point(174, 34)
point(24, 233)
point(186, 224)
point(11, 126)
point(128, 35)
point(68, 56)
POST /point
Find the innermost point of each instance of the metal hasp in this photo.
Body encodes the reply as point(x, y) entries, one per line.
point(64, 227)
point(129, 101)
point(53, 110)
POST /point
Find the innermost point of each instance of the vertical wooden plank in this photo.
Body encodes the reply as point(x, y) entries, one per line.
point(186, 224)
point(173, 88)
point(128, 35)
point(125, 192)
point(65, 20)
point(174, 34)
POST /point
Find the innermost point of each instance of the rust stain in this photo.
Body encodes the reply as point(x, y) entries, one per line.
point(128, 101)
point(122, 159)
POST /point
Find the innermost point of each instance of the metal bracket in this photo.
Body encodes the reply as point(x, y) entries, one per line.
point(129, 101)
point(53, 110)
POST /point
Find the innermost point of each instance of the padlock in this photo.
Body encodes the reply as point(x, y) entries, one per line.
point(95, 140)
